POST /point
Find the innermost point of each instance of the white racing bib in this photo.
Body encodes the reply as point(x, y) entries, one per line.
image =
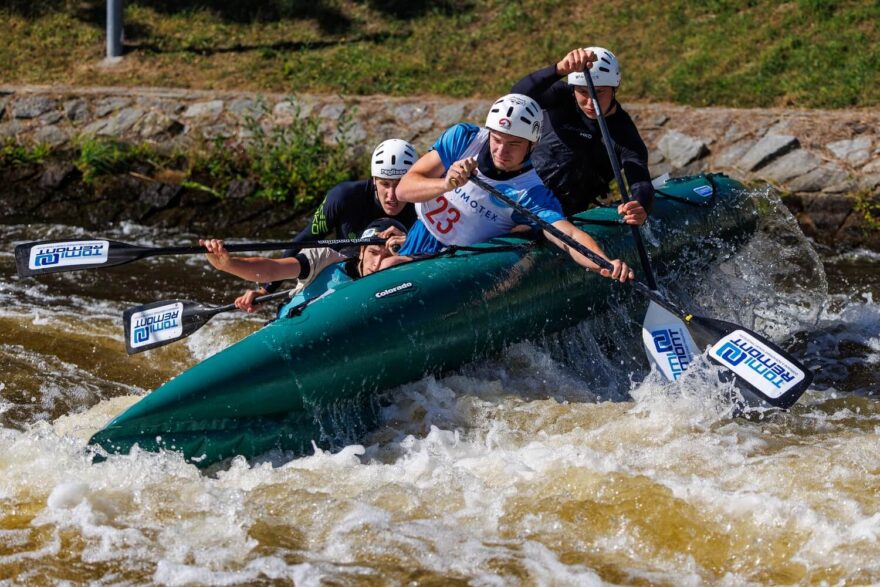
point(468, 214)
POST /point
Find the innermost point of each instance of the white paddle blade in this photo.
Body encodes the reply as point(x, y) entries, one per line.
point(668, 342)
point(758, 364)
point(153, 326)
point(68, 254)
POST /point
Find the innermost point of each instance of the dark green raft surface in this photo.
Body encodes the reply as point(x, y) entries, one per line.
point(311, 377)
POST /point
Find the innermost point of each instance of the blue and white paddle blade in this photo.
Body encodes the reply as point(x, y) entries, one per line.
point(777, 379)
point(152, 325)
point(55, 256)
point(668, 342)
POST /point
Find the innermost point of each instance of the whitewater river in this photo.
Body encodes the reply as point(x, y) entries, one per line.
point(508, 472)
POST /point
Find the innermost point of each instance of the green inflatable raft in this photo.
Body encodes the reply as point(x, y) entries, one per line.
point(312, 375)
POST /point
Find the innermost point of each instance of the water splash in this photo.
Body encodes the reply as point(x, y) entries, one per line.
point(560, 461)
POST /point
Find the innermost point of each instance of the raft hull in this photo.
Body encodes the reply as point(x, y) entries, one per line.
point(311, 377)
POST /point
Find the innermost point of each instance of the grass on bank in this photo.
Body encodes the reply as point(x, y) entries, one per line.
point(746, 53)
point(288, 163)
point(14, 153)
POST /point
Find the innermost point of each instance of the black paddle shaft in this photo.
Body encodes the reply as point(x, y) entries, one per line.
point(211, 312)
point(618, 177)
point(192, 317)
point(140, 252)
point(646, 290)
point(706, 331)
point(546, 226)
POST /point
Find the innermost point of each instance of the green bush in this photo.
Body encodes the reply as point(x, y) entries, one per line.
point(296, 163)
point(868, 207)
point(97, 158)
point(293, 163)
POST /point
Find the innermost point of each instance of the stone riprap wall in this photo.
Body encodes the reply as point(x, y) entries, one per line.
point(825, 160)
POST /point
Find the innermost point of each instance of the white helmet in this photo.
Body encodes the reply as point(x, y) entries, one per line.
point(392, 159)
point(605, 70)
point(517, 115)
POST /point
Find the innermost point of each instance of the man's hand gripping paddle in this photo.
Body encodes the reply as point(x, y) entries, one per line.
point(767, 375)
point(159, 323)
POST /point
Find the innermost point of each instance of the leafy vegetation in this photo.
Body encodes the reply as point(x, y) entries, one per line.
point(868, 207)
point(292, 162)
point(295, 161)
point(289, 163)
point(14, 153)
point(98, 157)
point(742, 53)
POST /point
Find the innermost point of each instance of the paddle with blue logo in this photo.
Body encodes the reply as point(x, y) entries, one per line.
point(765, 373)
point(37, 258)
point(159, 323)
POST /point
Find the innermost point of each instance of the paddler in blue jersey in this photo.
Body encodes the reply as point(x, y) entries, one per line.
point(571, 158)
point(454, 211)
point(317, 270)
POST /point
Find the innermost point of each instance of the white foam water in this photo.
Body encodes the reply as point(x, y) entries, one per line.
point(467, 480)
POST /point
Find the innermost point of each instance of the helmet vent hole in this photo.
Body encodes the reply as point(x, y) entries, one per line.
point(393, 159)
point(605, 69)
point(526, 120)
point(510, 111)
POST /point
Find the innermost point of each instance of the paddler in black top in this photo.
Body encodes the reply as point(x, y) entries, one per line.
point(570, 157)
point(309, 265)
point(351, 206)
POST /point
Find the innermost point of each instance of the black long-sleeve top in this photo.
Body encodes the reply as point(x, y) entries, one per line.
point(571, 158)
point(347, 210)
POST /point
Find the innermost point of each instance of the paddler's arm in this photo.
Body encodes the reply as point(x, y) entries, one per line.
point(428, 178)
point(621, 271)
point(259, 269)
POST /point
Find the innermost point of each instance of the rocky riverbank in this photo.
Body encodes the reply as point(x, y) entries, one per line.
point(826, 163)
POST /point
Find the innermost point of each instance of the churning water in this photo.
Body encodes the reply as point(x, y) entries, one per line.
point(556, 463)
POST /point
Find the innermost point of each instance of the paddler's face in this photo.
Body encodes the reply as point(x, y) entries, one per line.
point(605, 95)
point(386, 193)
point(508, 151)
point(371, 258)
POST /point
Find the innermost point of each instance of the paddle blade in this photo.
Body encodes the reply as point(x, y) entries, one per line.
point(56, 256)
point(163, 322)
point(668, 341)
point(767, 373)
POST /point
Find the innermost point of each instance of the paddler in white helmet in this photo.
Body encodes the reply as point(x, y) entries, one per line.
point(454, 211)
point(571, 158)
point(349, 207)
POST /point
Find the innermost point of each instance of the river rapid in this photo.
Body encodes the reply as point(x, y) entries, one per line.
point(547, 465)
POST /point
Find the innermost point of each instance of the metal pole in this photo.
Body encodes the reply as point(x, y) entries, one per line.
point(114, 29)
